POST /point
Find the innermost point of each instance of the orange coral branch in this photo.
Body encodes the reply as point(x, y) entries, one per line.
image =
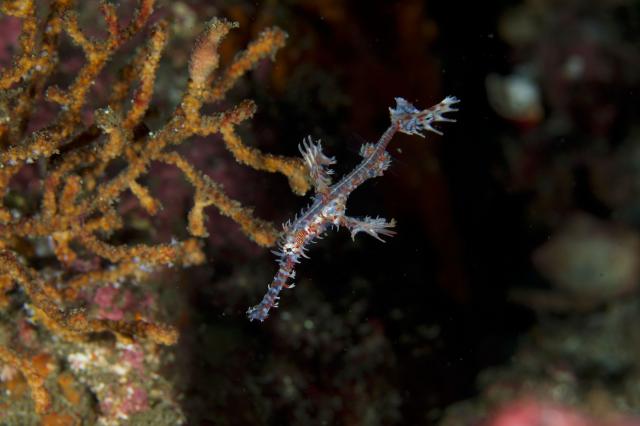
point(27, 11)
point(293, 168)
point(146, 67)
point(266, 45)
point(74, 324)
point(209, 193)
point(35, 381)
point(79, 195)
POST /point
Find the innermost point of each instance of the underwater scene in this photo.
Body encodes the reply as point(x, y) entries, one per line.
point(319, 212)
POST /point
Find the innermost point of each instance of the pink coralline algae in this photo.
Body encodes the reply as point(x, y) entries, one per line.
point(114, 302)
point(531, 412)
point(123, 401)
point(124, 383)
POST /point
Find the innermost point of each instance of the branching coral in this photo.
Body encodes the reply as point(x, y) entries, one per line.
point(78, 208)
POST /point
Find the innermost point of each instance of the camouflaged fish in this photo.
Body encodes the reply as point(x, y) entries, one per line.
point(329, 203)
